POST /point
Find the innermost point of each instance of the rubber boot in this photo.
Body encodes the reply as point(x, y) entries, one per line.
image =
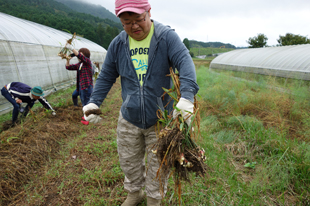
point(153, 202)
point(85, 122)
point(75, 101)
point(134, 198)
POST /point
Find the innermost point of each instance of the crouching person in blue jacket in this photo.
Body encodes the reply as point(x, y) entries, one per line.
point(17, 93)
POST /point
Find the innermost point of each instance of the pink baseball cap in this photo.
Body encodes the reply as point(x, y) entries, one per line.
point(136, 6)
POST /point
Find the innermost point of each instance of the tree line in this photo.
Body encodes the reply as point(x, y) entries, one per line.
point(288, 39)
point(194, 43)
point(60, 17)
point(208, 49)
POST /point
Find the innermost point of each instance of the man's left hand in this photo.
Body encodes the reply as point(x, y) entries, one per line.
point(186, 108)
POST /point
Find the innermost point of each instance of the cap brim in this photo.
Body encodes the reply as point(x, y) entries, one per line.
point(36, 94)
point(129, 9)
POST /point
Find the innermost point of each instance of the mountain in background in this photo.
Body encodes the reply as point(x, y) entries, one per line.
point(93, 22)
point(194, 43)
point(88, 8)
point(58, 16)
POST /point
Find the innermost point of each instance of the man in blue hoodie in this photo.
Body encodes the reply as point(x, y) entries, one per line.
point(141, 56)
point(17, 93)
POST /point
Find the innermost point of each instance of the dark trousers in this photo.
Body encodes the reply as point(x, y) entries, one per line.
point(85, 94)
point(8, 96)
point(16, 106)
point(75, 95)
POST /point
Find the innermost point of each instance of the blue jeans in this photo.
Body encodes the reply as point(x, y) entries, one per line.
point(16, 106)
point(8, 96)
point(85, 94)
point(75, 95)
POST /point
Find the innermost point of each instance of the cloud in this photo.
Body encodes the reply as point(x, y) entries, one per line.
point(229, 21)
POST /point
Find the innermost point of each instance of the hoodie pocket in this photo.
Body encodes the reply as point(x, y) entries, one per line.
point(152, 106)
point(131, 108)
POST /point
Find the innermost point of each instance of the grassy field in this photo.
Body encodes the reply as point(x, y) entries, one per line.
point(256, 140)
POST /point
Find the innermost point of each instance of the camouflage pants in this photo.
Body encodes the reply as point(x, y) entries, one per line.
point(134, 145)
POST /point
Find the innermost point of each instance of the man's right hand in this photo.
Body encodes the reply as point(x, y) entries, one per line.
point(19, 101)
point(92, 117)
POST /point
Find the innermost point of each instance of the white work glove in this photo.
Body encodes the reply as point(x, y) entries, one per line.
point(69, 46)
point(53, 113)
point(92, 117)
point(186, 108)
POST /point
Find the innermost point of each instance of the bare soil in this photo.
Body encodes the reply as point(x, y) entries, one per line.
point(28, 148)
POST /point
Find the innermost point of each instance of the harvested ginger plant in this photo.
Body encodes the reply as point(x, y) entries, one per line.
point(64, 52)
point(176, 149)
point(180, 154)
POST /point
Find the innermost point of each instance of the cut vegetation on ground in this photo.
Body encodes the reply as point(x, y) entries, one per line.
point(256, 141)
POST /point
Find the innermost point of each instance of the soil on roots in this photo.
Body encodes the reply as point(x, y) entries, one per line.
point(169, 150)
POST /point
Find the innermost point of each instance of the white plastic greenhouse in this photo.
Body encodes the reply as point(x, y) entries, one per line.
point(29, 54)
point(284, 61)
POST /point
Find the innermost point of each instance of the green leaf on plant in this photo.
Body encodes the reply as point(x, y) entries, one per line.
point(181, 126)
point(10, 138)
point(250, 165)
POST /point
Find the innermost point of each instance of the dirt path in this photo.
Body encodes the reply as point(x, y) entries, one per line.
point(49, 154)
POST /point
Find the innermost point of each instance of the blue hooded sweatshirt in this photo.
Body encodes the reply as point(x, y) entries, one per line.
point(140, 103)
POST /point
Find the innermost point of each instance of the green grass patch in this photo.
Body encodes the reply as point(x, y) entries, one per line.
point(250, 121)
point(254, 129)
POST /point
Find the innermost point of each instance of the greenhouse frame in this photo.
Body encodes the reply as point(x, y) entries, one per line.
point(282, 61)
point(29, 54)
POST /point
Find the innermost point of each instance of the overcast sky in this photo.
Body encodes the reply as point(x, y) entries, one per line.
point(229, 21)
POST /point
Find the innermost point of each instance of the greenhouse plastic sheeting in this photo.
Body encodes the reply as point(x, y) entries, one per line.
point(29, 54)
point(284, 61)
